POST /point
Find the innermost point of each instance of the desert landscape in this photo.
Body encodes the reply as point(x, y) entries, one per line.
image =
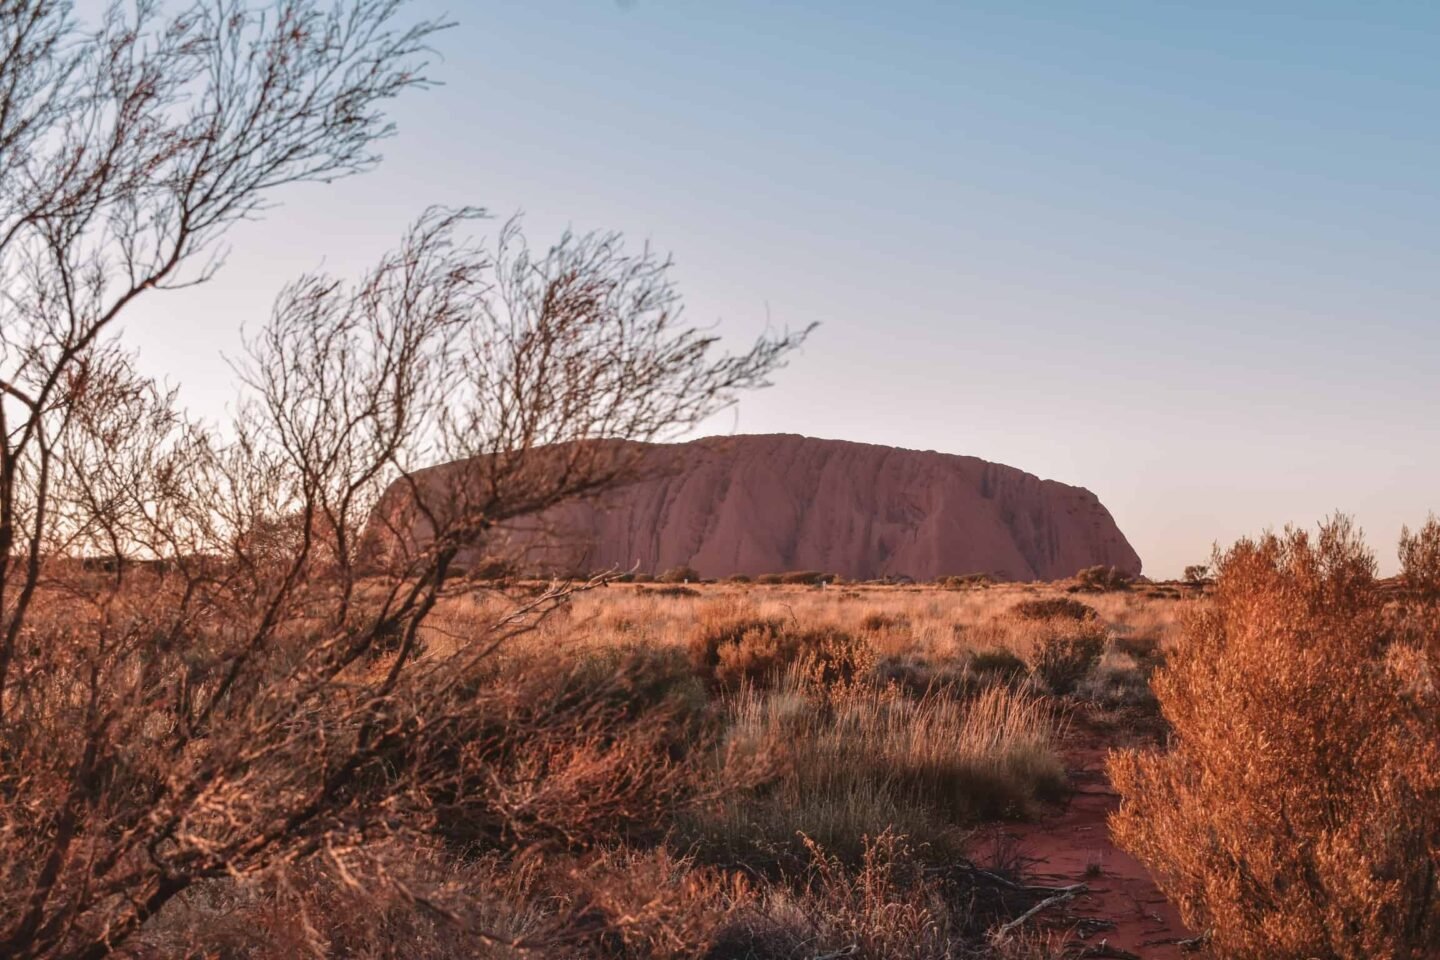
point(788, 766)
point(382, 579)
point(788, 770)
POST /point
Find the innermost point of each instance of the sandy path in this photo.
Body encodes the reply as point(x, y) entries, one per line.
point(1069, 846)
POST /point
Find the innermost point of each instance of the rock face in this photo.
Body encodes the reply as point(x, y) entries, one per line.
point(769, 504)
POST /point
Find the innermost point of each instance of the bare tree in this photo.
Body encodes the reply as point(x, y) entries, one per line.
point(205, 671)
point(125, 154)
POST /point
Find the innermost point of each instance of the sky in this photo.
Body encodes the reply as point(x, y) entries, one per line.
point(1185, 255)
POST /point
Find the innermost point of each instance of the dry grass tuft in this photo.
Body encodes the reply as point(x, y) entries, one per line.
point(1067, 655)
point(879, 621)
point(726, 772)
point(1054, 608)
point(732, 653)
point(861, 760)
point(592, 750)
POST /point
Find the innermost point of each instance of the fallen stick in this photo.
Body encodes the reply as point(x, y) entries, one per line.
point(1094, 925)
point(1189, 946)
point(1064, 895)
point(1012, 885)
point(1103, 949)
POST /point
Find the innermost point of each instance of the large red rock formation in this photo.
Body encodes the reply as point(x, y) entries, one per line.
point(768, 504)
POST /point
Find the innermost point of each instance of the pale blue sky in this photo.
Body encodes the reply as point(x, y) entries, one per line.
point(1183, 254)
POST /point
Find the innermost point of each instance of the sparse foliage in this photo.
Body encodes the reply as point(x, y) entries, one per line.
point(1420, 561)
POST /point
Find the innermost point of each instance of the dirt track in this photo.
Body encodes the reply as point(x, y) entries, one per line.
point(1070, 846)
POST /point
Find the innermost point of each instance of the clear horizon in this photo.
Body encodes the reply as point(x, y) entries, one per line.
point(1182, 256)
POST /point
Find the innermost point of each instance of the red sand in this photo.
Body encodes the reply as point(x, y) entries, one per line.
point(1062, 849)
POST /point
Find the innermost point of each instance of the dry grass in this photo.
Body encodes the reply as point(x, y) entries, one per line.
point(753, 652)
point(728, 770)
point(782, 771)
point(917, 620)
point(1066, 655)
point(860, 760)
point(1054, 608)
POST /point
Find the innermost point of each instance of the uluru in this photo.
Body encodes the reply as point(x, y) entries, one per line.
point(773, 503)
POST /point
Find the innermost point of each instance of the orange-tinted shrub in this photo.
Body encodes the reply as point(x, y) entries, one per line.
point(758, 651)
point(969, 581)
point(1054, 608)
point(574, 754)
point(1297, 811)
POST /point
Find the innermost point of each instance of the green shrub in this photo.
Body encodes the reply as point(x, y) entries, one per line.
point(916, 675)
point(1119, 681)
point(860, 761)
point(1144, 648)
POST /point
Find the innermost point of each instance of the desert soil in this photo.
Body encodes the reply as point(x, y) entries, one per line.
point(1132, 915)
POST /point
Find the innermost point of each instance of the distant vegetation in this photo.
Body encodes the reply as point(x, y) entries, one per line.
point(1101, 579)
point(969, 581)
point(1053, 608)
point(680, 574)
